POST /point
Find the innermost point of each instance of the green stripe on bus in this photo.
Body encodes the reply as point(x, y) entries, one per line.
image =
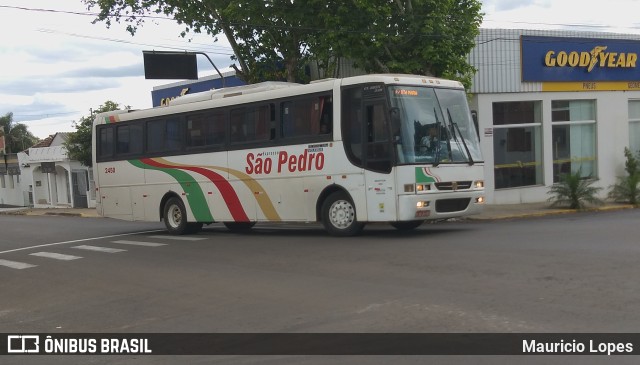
point(194, 193)
point(422, 177)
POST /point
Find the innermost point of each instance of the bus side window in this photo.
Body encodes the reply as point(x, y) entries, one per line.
point(173, 140)
point(164, 135)
point(105, 142)
point(129, 139)
point(155, 136)
point(352, 124)
point(326, 116)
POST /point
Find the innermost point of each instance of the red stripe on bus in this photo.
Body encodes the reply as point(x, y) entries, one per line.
point(228, 194)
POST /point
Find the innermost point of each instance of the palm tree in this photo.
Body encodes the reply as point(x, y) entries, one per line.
point(16, 135)
point(574, 191)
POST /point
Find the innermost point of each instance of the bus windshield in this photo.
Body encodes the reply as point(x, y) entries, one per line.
point(433, 126)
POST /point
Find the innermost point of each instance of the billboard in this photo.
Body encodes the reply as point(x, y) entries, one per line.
point(559, 59)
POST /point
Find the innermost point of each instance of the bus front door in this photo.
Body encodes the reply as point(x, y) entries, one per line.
point(379, 181)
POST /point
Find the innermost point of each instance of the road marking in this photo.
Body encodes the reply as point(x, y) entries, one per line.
point(56, 256)
point(140, 243)
point(16, 264)
point(99, 249)
point(180, 238)
point(80, 240)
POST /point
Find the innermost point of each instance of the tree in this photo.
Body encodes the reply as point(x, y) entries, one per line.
point(17, 136)
point(267, 38)
point(274, 39)
point(424, 37)
point(78, 143)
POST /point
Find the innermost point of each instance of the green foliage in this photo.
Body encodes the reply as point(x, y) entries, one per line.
point(17, 136)
point(78, 143)
point(424, 37)
point(626, 188)
point(574, 191)
point(274, 40)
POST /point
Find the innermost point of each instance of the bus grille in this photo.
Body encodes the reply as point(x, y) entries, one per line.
point(453, 185)
point(452, 205)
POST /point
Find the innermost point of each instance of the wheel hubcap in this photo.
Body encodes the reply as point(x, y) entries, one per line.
point(175, 216)
point(341, 214)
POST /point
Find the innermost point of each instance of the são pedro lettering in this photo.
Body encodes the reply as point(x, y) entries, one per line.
point(307, 161)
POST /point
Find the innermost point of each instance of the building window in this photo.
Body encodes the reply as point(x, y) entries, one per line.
point(517, 146)
point(634, 126)
point(573, 137)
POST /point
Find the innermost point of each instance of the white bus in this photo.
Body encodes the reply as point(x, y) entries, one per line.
point(401, 149)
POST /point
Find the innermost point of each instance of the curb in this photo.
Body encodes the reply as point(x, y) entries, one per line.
point(66, 214)
point(41, 212)
point(551, 212)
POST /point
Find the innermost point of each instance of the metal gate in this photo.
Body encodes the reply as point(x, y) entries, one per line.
point(79, 180)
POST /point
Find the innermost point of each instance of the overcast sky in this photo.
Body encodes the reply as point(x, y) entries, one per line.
point(55, 65)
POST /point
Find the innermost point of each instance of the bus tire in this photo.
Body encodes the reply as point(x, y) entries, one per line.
point(239, 226)
point(406, 225)
point(175, 216)
point(338, 215)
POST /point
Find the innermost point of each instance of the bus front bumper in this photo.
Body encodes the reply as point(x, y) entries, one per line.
point(439, 206)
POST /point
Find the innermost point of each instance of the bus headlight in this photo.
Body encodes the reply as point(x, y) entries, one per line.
point(480, 200)
point(479, 184)
point(423, 187)
point(422, 204)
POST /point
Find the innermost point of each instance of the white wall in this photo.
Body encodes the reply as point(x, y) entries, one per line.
point(612, 126)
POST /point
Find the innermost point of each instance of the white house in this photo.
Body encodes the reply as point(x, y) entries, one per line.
point(44, 177)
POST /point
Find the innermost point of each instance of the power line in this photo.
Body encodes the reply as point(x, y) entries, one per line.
point(128, 42)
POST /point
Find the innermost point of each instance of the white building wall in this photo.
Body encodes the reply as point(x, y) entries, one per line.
point(45, 190)
point(10, 192)
point(612, 136)
point(497, 57)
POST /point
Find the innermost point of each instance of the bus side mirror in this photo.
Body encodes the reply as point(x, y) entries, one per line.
point(474, 117)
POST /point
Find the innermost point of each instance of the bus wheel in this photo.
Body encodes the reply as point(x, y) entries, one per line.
point(175, 216)
point(339, 215)
point(239, 226)
point(407, 225)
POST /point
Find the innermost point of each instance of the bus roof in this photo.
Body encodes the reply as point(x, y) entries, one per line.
point(268, 89)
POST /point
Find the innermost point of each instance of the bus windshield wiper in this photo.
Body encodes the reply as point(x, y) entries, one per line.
point(464, 143)
point(436, 162)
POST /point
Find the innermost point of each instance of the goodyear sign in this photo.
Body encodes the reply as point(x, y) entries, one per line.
point(557, 59)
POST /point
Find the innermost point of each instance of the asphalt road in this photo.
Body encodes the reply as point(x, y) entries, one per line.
point(570, 273)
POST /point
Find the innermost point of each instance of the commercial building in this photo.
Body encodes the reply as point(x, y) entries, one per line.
point(554, 102)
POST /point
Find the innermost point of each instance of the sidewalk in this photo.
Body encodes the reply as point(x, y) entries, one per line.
point(530, 210)
point(71, 212)
point(491, 211)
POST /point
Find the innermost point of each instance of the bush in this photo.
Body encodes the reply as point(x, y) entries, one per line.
point(574, 191)
point(626, 188)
